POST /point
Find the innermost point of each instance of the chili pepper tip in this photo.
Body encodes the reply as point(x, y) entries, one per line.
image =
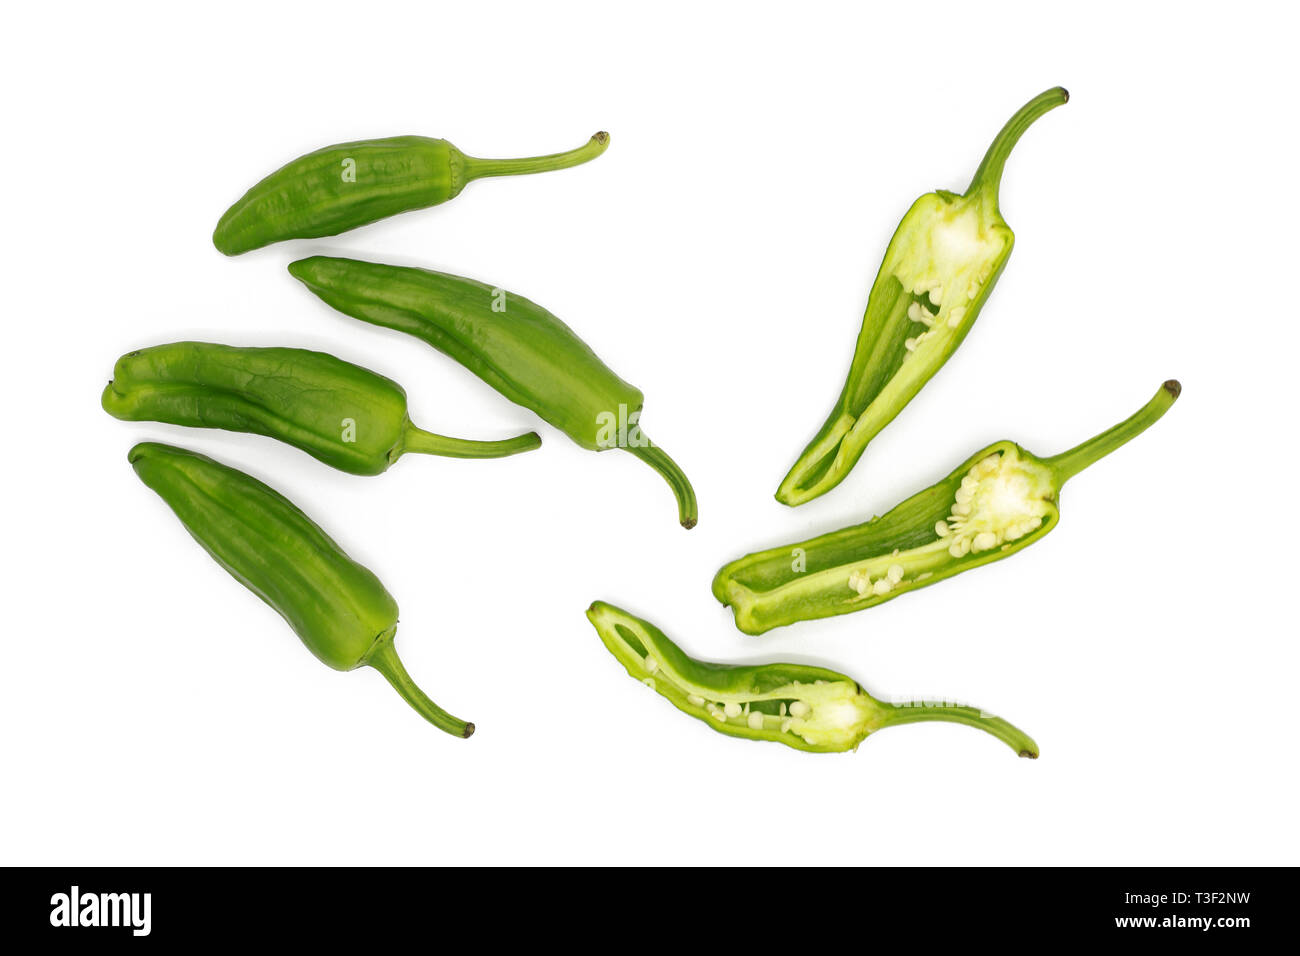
point(1025, 753)
point(602, 137)
point(1173, 387)
point(469, 731)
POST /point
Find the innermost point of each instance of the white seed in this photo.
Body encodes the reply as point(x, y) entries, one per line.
point(963, 496)
point(936, 294)
point(882, 587)
point(651, 665)
point(894, 573)
point(785, 725)
point(799, 709)
point(955, 316)
point(941, 528)
point(984, 541)
point(959, 548)
point(973, 291)
point(961, 508)
point(923, 575)
point(909, 344)
point(782, 711)
point(755, 721)
point(695, 700)
point(917, 312)
point(731, 709)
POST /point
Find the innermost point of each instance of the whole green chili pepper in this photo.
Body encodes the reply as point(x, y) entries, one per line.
point(352, 184)
point(939, 269)
point(1000, 500)
point(516, 346)
point(336, 607)
point(337, 412)
point(807, 708)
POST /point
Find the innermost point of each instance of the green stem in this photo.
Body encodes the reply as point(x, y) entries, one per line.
point(915, 711)
point(478, 168)
point(1069, 463)
point(657, 458)
point(427, 443)
point(989, 175)
point(383, 658)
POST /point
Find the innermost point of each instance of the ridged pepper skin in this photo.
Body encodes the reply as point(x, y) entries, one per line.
point(998, 502)
point(516, 346)
point(337, 607)
point(808, 708)
point(942, 263)
point(341, 414)
point(342, 187)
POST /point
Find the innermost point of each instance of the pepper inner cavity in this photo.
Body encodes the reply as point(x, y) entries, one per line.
point(819, 713)
point(1000, 500)
point(945, 261)
point(1003, 498)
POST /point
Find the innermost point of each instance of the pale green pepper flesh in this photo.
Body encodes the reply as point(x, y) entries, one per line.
point(938, 271)
point(808, 708)
point(999, 501)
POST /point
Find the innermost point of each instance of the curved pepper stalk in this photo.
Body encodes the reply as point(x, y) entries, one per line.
point(341, 414)
point(337, 607)
point(353, 184)
point(808, 708)
point(942, 263)
point(998, 502)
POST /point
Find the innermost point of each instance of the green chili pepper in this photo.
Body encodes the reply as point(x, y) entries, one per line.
point(807, 708)
point(342, 414)
point(337, 607)
point(352, 184)
point(516, 346)
point(939, 269)
point(1000, 500)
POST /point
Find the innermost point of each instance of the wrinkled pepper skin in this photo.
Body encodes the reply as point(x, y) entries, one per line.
point(998, 502)
point(341, 414)
point(942, 263)
point(353, 184)
point(516, 346)
point(808, 708)
point(337, 607)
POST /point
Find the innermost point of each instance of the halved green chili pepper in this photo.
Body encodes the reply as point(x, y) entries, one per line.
point(337, 412)
point(1000, 500)
point(939, 269)
point(338, 608)
point(352, 184)
point(516, 346)
point(807, 708)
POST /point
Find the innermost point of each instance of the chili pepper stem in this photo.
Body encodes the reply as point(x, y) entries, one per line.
point(479, 168)
point(383, 658)
point(915, 711)
point(428, 443)
point(988, 178)
point(657, 458)
point(1069, 463)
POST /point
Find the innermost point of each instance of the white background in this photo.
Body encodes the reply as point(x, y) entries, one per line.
point(718, 256)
